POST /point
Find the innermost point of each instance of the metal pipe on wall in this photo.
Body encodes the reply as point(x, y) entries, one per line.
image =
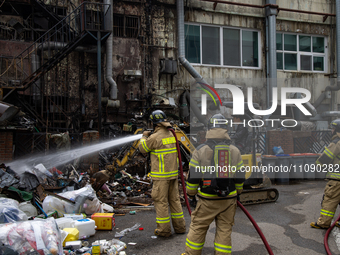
point(109, 46)
point(337, 11)
point(271, 61)
point(181, 43)
point(99, 74)
point(337, 86)
point(181, 51)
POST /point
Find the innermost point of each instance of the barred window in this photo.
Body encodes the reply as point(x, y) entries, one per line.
point(125, 26)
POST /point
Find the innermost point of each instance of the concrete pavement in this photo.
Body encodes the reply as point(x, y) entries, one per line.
point(284, 223)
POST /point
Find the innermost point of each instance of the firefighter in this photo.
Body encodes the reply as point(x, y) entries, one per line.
point(213, 204)
point(331, 158)
point(241, 135)
point(164, 173)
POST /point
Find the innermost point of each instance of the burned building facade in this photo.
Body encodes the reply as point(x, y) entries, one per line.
point(72, 65)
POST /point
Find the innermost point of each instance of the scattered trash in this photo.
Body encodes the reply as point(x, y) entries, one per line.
point(86, 228)
point(96, 248)
point(10, 212)
point(29, 209)
point(75, 216)
point(65, 222)
point(104, 221)
point(72, 235)
point(123, 232)
point(73, 245)
point(41, 236)
point(60, 198)
point(154, 237)
point(79, 198)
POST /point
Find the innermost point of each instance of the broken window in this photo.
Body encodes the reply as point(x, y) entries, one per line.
point(301, 52)
point(215, 45)
point(125, 26)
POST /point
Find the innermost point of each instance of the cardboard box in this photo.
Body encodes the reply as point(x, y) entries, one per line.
point(104, 221)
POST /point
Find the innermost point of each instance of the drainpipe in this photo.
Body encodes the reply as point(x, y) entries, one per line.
point(331, 114)
point(109, 46)
point(337, 10)
point(181, 44)
point(181, 53)
point(271, 13)
point(325, 94)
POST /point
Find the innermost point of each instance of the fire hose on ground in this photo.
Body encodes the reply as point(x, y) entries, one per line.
point(238, 203)
point(325, 240)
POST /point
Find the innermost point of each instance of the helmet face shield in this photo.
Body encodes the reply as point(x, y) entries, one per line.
point(157, 116)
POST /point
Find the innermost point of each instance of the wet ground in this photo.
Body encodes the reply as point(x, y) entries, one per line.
point(284, 223)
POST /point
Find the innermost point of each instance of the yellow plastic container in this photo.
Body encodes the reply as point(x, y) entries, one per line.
point(248, 162)
point(73, 235)
point(104, 221)
point(95, 248)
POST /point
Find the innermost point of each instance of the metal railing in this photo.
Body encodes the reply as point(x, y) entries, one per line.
point(56, 43)
point(313, 144)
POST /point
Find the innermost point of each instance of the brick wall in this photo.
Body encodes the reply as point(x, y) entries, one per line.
point(6, 146)
point(282, 138)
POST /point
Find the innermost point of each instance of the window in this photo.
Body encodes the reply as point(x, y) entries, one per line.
point(301, 52)
point(125, 26)
point(224, 46)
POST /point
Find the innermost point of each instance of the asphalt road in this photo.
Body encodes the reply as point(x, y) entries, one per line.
point(284, 223)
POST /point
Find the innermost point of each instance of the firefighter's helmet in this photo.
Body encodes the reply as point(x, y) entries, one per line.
point(335, 124)
point(218, 121)
point(158, 116)
point(238, 116)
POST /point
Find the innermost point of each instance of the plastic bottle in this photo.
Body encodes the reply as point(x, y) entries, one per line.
point(118, 244)
point(123, 232)
point(112, 251)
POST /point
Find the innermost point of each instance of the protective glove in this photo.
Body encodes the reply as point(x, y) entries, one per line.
point(192, 201)
point(146, 133)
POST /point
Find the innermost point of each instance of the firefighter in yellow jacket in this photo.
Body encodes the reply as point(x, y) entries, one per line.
point(216, 202)
point(330, 159)
point(164, 173)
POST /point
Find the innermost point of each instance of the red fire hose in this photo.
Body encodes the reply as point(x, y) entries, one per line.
point(238, 203)
point(325, 240)
point(181, 170)
point(256, 227)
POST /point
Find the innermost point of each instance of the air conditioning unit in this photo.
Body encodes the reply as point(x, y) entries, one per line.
point(168, 66)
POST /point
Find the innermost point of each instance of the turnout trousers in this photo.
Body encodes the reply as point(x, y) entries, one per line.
point(164, 194)
point(330, 201)
point(223, 212)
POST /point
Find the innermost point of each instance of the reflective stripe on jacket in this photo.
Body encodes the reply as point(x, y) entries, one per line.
point(162, 147)
point(202, 157)
point(331, 157)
